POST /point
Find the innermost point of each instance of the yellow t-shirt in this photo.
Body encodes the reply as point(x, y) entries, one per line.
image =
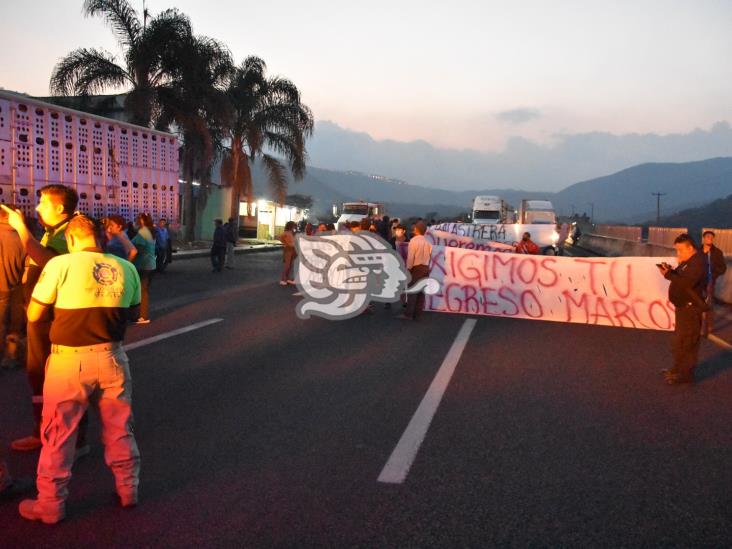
point(90, 292)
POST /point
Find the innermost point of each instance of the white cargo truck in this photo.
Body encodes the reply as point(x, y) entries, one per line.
point(116, 168)
point(490, 210)
point(537, 212)
point(356, 211)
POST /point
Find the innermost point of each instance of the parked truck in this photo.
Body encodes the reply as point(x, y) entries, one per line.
point(115, 167)
point(537, 212)
point(356, 211)
point(490, 210)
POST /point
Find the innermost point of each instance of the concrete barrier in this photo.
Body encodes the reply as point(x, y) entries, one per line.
point(723, 289)
point(616, 247)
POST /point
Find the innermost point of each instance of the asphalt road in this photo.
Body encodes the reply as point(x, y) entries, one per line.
point(266, 430)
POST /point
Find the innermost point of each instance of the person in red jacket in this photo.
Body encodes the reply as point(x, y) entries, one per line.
point(527, 246)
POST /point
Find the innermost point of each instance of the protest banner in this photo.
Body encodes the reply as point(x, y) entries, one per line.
point(607, 291)
point(442, 238)
point(510, 233)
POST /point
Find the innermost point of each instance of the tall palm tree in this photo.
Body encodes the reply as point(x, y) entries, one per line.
point(194, 102)
point(142, 73)
point(267, 120)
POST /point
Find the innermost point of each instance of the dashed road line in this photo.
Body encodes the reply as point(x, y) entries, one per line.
point(397, 467)
point(173, 333)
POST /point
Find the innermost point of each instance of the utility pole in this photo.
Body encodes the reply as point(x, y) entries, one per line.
point(658, 206)
point(592, 212)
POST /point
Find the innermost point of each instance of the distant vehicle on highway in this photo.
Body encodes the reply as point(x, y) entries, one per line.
point(491, 210)
point(537, 212)
point(356, 211)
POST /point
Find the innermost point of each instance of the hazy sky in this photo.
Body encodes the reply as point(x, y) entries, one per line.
point(465, 74)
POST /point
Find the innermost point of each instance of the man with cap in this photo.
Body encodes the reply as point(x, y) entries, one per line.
point(93, 296)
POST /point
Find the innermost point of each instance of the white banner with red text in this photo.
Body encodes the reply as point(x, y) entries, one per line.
point(625, 292)
point(511, 233)
point(442, 238)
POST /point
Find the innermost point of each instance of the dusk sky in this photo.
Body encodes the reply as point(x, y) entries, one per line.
point(463, 74)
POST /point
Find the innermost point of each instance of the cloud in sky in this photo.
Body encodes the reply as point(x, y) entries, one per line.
point(518, 116)
point(587, 66)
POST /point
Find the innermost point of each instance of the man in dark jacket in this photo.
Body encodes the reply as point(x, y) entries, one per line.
point(686, 293)
point(218, 249)
point(12, 258)
point(12, 317)
point(715, 267)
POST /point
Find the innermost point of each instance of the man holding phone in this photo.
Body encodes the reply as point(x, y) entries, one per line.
point(686, 292)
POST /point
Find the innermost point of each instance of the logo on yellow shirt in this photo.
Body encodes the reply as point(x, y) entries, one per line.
point(105, 274)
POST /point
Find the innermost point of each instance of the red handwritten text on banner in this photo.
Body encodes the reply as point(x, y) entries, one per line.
point(622, 291)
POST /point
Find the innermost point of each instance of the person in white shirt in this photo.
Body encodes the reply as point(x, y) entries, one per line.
point(419, 253)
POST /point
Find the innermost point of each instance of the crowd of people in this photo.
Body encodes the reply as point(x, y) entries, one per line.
point(416, 251)
point(66, 298)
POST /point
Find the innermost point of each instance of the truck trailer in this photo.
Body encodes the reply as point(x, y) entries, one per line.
point(115, 167)
point(537, 212)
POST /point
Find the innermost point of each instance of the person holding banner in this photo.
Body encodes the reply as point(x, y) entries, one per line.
point(527, 246)
point(686, 292)
point(419, 254)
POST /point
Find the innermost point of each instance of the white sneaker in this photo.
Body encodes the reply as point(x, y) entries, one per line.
point(283, 283)
point(143, 321)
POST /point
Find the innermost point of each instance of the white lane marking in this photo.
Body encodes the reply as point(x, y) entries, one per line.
point(397, 467)
point(719, 341)
point(173, 333)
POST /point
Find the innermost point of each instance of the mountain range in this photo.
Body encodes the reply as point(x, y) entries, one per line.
point(716, 214)
point(623, 197)
point(523, 164)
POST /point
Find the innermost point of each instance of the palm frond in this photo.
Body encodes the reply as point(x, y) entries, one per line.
point(276, 176)
point(165, 31)
point(119, 15)
point(87, 71)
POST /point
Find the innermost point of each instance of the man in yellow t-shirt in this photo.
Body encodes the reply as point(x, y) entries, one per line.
point(93, 296)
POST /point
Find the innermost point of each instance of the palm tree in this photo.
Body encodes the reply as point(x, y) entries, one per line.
point(194, 101)
point(88, 71)
point(266, 119)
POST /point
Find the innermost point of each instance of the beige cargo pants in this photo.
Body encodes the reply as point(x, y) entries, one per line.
point(76, 376)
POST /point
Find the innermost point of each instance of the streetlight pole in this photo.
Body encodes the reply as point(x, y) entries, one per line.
point(658, 206)
point(592, 212)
